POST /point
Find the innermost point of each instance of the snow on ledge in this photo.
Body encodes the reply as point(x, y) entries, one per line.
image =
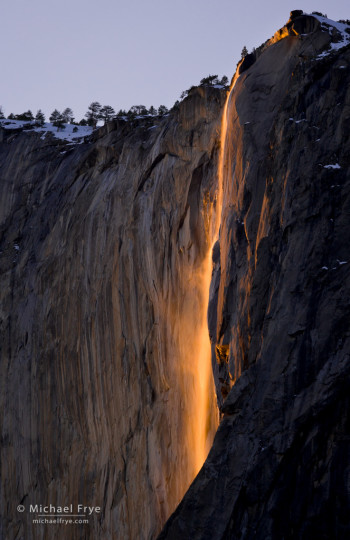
point(334, 166)
point(329, 24)
point(66, 134)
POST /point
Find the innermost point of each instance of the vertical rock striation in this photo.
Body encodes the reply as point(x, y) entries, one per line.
point(279, 310)
point(101, 254)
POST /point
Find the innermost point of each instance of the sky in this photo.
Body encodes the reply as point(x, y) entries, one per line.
point(68, 53)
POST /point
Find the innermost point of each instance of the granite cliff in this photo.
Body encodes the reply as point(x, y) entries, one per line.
point(106, 398)
point(102, 317)
point(279, 306)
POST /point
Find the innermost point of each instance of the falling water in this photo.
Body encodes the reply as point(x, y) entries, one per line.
point(194, 416)
point(221, 164)
point(207, 418)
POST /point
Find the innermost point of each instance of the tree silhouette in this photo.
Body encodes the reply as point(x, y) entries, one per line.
point(40, 118)
point(244, 52)
point(211, 79)
point(93, 113)
point(138, 110)
point(107, 113)
point(68, 115)
point(152, 111)
point(224, 81)
point(162, 110)
point(26, 116)
point(57, 120)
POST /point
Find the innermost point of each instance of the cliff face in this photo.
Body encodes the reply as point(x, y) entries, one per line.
point(279, 310)
point(106, 398)
point(102, 312)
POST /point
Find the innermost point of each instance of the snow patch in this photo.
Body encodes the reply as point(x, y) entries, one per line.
point(328, 24)
point(334, 166)
point(67, 133)
point(297, 121)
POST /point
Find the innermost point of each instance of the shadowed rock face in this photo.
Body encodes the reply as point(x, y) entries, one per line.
point(100, 250)
point(279, 312)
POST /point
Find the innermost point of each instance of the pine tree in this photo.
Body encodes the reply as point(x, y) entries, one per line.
point(68, 116)
point(29, 115)
point(244, 52)
point(138, 110)
point(224, 81)
point(25, 117)
point(57, 120)
point(39, 118)
point(107, 113)
point(162, 109)
point(2, 116)
point(92, 114)
point(152, 111)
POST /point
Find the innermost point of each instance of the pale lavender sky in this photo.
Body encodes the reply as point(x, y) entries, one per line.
point(67, 53)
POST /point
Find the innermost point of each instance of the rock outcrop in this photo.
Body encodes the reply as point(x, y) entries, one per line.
point(279, 310)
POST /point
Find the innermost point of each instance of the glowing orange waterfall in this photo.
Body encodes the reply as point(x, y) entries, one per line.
point(221, 164)
point(207, 418)
point(193, 415)
point(206, 421)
